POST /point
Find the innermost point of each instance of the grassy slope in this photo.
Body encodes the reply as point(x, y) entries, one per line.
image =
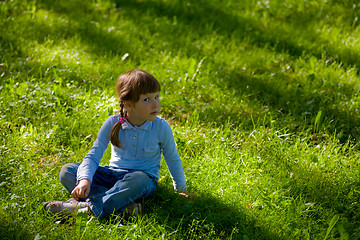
point(263, 98)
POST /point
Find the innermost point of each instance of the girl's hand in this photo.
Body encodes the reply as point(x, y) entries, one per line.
point(187, 195)
point(82, 189)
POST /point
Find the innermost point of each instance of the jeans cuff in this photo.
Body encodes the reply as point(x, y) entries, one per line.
point(97, 212)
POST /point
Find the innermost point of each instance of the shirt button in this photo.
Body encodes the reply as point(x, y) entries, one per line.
point(134, 137)
point(134, 145)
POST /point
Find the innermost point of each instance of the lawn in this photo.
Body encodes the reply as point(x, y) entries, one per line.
point(263, 98)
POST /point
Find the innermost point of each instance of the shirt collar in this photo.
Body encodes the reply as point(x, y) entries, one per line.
point(146, 126)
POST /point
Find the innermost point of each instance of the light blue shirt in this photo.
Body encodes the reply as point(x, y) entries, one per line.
point(141, 150)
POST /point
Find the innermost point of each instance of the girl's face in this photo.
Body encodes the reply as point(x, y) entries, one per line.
point(145, 109)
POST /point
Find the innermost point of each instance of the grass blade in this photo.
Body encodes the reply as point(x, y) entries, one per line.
point(333, 222)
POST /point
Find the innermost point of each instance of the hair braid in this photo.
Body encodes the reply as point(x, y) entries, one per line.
point(114, 137)
point(122, 109)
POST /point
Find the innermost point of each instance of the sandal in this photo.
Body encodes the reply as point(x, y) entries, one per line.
point(65, 208)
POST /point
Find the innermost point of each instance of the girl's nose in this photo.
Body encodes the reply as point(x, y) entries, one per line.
point(154, 104)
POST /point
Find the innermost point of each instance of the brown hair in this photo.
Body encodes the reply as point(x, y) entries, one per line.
point(129, 87)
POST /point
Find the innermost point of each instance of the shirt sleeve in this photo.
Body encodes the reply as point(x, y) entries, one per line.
point(91, 161)
point(172, 158)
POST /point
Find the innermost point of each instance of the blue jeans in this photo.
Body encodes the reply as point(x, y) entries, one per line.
point(112, 188)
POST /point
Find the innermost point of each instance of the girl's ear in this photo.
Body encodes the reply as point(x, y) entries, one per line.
point(127, 105)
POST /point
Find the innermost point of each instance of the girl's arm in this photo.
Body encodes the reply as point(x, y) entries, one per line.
point(172, 158)
point(91, 161)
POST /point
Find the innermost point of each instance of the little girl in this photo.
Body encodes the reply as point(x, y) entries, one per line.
point(137, 137)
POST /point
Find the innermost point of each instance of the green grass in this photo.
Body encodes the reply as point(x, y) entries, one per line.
point(263, 98)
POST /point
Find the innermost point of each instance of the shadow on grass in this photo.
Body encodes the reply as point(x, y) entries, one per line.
point(204, 18)
point(319, 186)
point(302, 105)
point(323, 194)
point(203, 216)
point(12, 230)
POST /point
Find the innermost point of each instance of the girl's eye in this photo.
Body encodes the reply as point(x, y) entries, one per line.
point(156, 97)
point(146, 99)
